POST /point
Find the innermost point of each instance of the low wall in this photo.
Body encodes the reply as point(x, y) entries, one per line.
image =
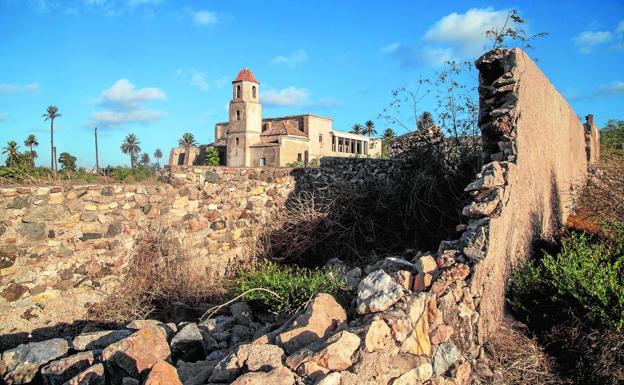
point(73, 241)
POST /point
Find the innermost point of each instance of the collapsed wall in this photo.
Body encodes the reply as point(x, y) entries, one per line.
point(537, 157)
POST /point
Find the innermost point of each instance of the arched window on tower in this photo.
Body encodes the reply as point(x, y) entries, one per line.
point(237, 115)
point(238, 91)
point(253, 91)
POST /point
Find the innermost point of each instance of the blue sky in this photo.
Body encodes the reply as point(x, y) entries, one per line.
point(159, 68)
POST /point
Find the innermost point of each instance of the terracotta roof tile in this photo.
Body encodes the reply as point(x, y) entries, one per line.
point(245, 75)
point(283, 128)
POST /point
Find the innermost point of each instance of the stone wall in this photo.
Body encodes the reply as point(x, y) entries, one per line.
point(536, 157)
point(73, 241)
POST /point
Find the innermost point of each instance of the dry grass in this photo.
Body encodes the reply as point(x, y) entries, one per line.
point(514, 359)
point(160, 273)
point(604, 195)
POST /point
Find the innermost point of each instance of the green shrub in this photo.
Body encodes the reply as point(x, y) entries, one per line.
point(297, 164)
point(212, 157)
point(586, 275)
point(294, 286)
point(142, 172)
point(122, 173)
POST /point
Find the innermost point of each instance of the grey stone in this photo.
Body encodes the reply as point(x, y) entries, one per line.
point(377, 292)
point(94, 375)
point(32, 231)
point(218, 324)
point(212, 177)
point(99, 339)
point(23, 362)
point(446, 355)
point(114, 229)
point(45, 213)
point(187, 344)
point(19, 202)
point(242, 313)
point(194, 372)
point(129, 381)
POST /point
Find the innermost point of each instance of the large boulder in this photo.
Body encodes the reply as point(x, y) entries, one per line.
point(322, 317)
point(255, 357)
point(60, 371)
point(277, 376)
point(333, 354)
point(192, 344)
point(137, 353)
point(377, 292)
point(99, 339)
point(23, 362)
point(163, 374)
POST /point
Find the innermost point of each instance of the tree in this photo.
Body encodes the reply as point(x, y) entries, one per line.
point(67, 161)
point(369, 128)
point(187, 141)
point(403, 109)
point(212, 157)
point(130, 146)
point(12, 151)
point(511, 30)
point(357, 129)
point(31, 141)
point(425, 120)
point(388, 134)
point(145, 159)
point(158, 155)
point(51, 114)
point(612, 135)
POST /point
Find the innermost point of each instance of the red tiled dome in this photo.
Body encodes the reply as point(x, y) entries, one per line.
point(245, 75)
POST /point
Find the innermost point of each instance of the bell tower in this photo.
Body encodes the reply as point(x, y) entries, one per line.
point(245, 121)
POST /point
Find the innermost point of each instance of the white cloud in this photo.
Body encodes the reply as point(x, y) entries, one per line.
point(289, 97)
point(409, 55)
point(3, 117)
point(205, 18)
point(33, 88)
point(586, 41)
point(123, 94)
point(127, 105)
point(465, 32)
point(614, 88)
point(295, 97)
point(291, 60)
point(119, 118)
point(199, 81)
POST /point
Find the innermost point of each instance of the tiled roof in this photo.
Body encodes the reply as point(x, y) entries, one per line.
point(245, 75)
point(283, 128)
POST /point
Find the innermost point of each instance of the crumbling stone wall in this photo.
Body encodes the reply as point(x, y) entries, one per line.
point(536, 155)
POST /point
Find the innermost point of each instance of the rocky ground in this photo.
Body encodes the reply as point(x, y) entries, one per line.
point(399, 335)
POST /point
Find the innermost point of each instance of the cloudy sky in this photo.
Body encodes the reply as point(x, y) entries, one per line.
point(159, 68)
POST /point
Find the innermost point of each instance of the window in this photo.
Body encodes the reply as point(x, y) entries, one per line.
point(264, 127)
point(299, 158)
point(238, 91)
point(181, 159)
point(333, 143)
point(262, 162)
point(237, 141)
point(237, 115)
point(253, 92)
point(320, 138)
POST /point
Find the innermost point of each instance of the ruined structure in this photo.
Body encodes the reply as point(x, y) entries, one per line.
point(249, 140)
point(420, 319)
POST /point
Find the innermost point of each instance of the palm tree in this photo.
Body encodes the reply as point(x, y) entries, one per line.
point(357, 128)
point(131, 147)
point(369, 128)
point(145, 159)
point(187, 140)
point(31, 141)
point(388, 134)
point(158, 156)
point(425, 120)
point(51, 114)
point(12, 151)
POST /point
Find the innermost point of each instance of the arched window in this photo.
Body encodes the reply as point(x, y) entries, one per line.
point(238, 91)
point(253, 92)
point(237, 115)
